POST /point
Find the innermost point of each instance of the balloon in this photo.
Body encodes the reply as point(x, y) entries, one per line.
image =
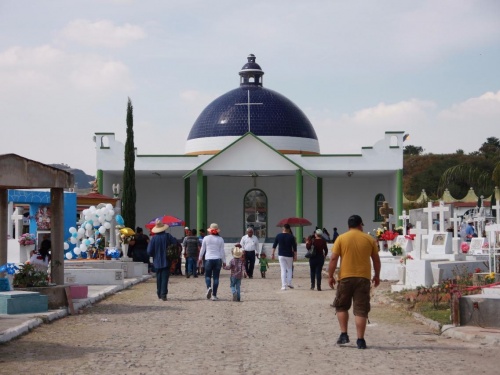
point(81, 231)
point(72, 230)
point(86, 242)
point(91, 240)
point(119, 220)
point(66, 246)
point(102, 230)
point(74, 235)
point(112, 212)
point(73, 240)
point(77, 251)
point(88, 226)
point(69, 255)
point(109, 206)
point(107, 225)
point(83, 247)
point(127, 231)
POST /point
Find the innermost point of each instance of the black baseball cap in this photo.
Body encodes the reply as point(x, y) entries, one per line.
point(354, 221)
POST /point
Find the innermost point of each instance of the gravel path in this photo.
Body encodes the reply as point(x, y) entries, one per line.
point(270, 332)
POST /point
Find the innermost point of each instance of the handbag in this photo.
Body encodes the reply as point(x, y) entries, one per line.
point(311, 253)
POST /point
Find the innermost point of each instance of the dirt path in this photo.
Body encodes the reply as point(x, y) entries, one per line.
point(270, 332)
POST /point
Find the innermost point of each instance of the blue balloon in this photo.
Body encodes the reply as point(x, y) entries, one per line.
point(119, 220)
point(74, 235)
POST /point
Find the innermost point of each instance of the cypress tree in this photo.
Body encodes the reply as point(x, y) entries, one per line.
point(129, 193)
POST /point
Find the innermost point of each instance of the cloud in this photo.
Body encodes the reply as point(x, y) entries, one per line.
point(102, 33)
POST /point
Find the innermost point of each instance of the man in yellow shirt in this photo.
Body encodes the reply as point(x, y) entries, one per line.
point(355, 249)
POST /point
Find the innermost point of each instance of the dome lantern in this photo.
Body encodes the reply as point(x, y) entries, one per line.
point(251, 73)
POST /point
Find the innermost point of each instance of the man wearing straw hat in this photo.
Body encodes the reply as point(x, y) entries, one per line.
point(157, 248)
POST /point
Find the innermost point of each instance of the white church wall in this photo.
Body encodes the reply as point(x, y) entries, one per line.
point(343, 197)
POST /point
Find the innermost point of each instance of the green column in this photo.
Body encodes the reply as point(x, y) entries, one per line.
point(319, 201)
point(200, 204)
point(100, 180)
point(205, 202)
point(187, 201)
point(299, 202)
point(399, 195)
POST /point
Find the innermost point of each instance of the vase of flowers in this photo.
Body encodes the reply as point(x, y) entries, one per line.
point(27, 242)
point(396, 249)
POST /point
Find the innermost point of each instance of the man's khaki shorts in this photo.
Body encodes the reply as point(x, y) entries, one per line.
point(356, 291)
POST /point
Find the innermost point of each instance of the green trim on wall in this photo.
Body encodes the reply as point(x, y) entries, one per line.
point(299, 202)
point(187, 202)
point(399, 195)
point(205, 202)
point(319, 201)
point(200, 194)
point(100, 180)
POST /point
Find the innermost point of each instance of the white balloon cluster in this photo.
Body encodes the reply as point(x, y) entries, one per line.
point(97, 220)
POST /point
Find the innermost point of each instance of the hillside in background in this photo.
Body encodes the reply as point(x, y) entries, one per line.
point(82, 180)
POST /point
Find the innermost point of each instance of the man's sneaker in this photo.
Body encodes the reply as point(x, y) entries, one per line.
point(215, 298)
point(283, 288)
point(290, 286)
point(343, 339)
point(235, 297)
point(209, 293)
point(361, 343)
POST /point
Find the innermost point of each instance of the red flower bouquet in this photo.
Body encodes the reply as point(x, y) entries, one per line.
point(389, 235)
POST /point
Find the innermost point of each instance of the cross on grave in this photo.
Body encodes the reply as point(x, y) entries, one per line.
point(496, 207)
point(385, 211)
point(455, 220)
point(441, 209)
point(248, 104)
point(17, 217)
point(418, 232)
point(405, 219)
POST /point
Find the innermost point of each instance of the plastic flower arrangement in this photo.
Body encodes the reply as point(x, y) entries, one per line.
point(113, 253)
point(27, 239)
point(396, 250)
point(405, 258)
point(464, 247)
point(378, 233)
point(490, 278)
point(389, 235)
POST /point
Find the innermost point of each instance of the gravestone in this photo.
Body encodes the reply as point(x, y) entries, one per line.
point(385, 211)
point(404, 218)
point(476, 246)
point(440, 243)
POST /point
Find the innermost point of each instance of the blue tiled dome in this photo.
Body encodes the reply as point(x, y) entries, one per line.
point(273, 118)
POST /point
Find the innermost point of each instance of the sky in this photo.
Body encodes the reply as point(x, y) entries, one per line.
point(430, 68)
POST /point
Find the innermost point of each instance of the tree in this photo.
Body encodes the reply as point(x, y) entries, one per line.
point(412, 150)
point(482, 171)
point(129, 193)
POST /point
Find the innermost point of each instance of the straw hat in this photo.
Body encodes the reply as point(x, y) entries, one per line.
point(159, 227)
point(237, 252)
point(214, 228)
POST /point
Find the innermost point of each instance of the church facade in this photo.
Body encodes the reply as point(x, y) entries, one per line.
point(287, 176)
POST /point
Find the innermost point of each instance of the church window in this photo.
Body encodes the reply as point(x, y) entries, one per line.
point(255, 211)
point(379, 201)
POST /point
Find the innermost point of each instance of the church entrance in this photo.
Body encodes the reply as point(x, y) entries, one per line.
point(255, 209)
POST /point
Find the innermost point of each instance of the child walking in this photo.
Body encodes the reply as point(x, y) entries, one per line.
point(264, 265)
point(237, 267)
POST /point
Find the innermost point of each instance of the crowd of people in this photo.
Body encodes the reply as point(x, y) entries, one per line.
point(205, 255)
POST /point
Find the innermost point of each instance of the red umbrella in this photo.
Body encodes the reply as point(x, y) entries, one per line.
point(171, 221)
point(294, 222)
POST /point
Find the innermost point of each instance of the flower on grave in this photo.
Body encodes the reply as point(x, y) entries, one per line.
point(27, 239)
point(113, 253)
point(410, 237)
point(29, 276)
point(378, 233)
point(464, 247)
point(126, 235)
point(478, 270)
point(490, 278)
point(405, 258)
point(389, 235)
point(396, 249)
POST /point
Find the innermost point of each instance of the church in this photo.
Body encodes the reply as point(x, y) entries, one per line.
point(252, 158)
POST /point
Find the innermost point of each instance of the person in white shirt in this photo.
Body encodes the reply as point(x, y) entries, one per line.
point(250, 244)
point(212, 247)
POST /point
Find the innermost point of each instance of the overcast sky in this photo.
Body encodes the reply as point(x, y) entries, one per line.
point(356, 68)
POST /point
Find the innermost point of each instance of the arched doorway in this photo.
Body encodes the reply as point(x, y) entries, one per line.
point(255, 211)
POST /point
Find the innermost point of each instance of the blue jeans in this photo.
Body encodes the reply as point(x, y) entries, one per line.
point(162, 275)
point(235, 286)
point(212, 270)
point(191, 265)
